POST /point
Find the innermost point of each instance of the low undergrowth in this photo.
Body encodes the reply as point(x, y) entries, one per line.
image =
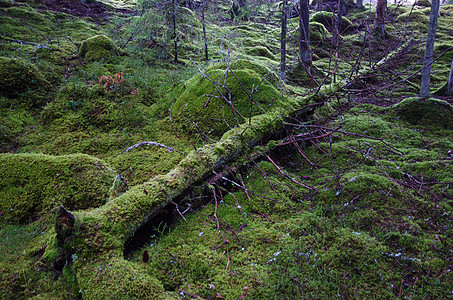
point(350, 200)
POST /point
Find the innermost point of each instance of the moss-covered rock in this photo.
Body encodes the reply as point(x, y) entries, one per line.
point(202, 110)
point(260, 51)
point(423, 3)
point(32, 184)
point(20, 78)
point(328, 20)
point(98, 48)
point(318, 32)
point(421, 111)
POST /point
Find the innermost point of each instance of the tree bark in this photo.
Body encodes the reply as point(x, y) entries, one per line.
point(359, 3)
point(429, 50)
point(175, 37)
point(206, 56)
point(450, 81)
point(337, 27)
point(379, 20)
point(283, 42)
point(304, 33)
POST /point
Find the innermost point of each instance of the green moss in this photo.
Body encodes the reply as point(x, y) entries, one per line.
point(417, 18)
point(327, 19)
point(318, 32)
point(94, 279)
point(428, 112)
point(51, 252)
point(33, 184)
point(201, 110)
point(20, 78)
point(260, 51)
point(98, 48)
point(423, 3)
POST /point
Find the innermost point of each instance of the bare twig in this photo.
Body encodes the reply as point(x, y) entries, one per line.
point(149, 144)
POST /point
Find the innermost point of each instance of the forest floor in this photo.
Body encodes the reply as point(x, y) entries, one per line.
point(347, 194)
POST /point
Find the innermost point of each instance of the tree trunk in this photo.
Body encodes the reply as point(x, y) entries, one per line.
point(450, 81)
point(283, 42)
point(336, 37)
point(175, 37)
point(337, 27)
point(429, 50)
point(304, 33)
point(206, 57)
point(359, 3)
point(379, 20)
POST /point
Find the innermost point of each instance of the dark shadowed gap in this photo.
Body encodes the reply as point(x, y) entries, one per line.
point(158, 224)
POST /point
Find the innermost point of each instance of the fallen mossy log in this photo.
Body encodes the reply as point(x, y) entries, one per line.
point(92, 243)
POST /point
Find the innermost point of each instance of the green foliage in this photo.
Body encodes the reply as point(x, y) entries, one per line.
point(33, 184)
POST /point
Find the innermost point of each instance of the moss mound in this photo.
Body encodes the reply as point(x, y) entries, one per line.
point(94, 281)
point(98, 48)
point(328, 20)
point(260, 51)
point(32, 184)
point(430, 111)
point(201, 109)
point(318, 32)
point(20, 78)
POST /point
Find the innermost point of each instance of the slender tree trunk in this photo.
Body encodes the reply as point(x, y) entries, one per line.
point(428, 59)
point(450, 81)
point(304, 33)
point(283, 42)
point(174, 30)
point(359, 3)
point(336, 36)
point(206, 57)
point(337, 25)
point(379, 20)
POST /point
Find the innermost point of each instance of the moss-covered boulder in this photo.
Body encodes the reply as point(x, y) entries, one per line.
point(209, 107)
point(32, 184)
point(421, 111)
point(328, 20)
point(260, 51)
point(423, 3)
point(318, 32)
point(20, 78)
point(98, 48)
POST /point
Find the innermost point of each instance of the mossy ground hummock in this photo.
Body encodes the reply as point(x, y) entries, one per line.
point(357, 205)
